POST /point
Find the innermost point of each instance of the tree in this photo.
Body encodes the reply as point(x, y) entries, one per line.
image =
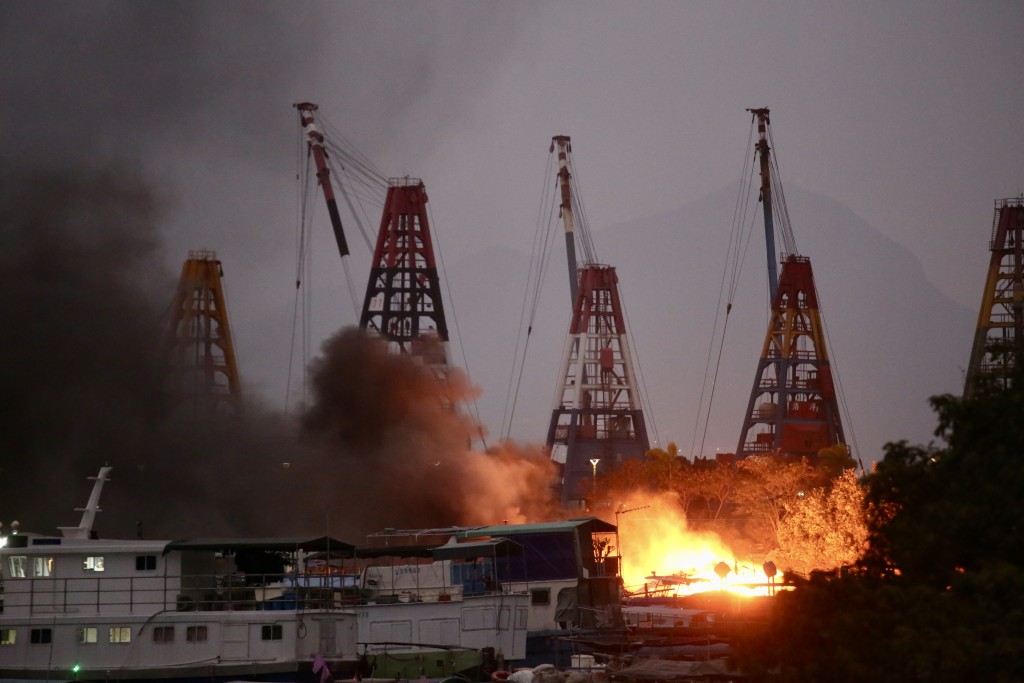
point(767, 485)
point(825, 528)
point(715, 485)
point(939, 593)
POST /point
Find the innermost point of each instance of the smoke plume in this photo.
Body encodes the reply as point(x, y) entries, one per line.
point(400, 454)
point(85, 302)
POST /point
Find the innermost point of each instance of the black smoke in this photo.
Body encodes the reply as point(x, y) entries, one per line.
point(85, 305)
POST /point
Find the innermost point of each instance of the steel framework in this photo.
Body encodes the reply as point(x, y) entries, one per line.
point(199, 366)
point(792, 409)
point(596, 422)
point(403, 296)
point(999, 336)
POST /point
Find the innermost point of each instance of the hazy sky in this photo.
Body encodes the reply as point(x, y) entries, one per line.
point(906, 113)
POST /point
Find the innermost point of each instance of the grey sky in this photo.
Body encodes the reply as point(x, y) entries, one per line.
point(906, 113)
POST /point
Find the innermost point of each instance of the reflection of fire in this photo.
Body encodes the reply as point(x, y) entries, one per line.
point(662, 556)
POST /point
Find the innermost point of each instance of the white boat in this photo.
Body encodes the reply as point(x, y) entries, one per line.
point(572, 586)
point(79, 608)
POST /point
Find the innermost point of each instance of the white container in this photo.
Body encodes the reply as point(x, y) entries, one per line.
point(583, 661)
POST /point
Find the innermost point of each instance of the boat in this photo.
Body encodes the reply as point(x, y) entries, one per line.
point(433, 611)
point(80, 608)
point(573, 588)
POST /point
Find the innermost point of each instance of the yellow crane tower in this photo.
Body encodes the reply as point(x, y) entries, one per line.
point(199, 370)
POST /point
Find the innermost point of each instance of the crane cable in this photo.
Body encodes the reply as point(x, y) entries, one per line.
point(590, 257)
point(740, 235)
point(455, 324)
point(645, 399)
point(358, 182)
point(540, 253)
point(844, 406)
point(301, 252)
point(780, 212)
point(789, 244)
point(582, 232)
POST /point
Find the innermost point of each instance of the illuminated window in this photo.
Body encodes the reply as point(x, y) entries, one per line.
point(163, 634)
point(7, 636)
point(92, 564)
point(42, 566)
point(120, 634)
point(86, 634)
point(40, 636)
point(272, 632)
point(18, 566)
point(145, 563)
point(195, 634)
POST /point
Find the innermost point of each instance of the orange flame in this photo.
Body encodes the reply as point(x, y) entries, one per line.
point(661, 555)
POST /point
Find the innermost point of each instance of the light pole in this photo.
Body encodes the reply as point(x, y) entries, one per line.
point(593, 481)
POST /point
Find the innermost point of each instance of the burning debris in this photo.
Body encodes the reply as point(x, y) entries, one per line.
point(663, 558)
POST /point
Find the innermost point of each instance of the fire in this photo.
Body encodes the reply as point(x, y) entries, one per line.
point(661, 555)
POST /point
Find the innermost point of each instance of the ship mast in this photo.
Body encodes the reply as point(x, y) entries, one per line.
point(764, 153)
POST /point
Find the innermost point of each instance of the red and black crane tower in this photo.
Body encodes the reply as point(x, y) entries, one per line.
point(403, 296)
point(403, 302)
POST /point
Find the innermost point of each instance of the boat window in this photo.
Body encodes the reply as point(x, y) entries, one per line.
point(18, 566)
point(145, 563)
point(540, 596)
point(163, 634)
point(86, 634)
point(40, 636)
point(120, 634)
point(195, 634)
point(42, 566)
point(93, 564)
point(272, 632)
point(7, 636)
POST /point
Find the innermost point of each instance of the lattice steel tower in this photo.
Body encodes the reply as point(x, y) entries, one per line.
point(999, 337)
point(403, 296)
point(792, 409)
point(597, 421)
point(200, 373)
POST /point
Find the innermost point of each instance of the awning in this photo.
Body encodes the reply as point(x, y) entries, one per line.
point(493, 547)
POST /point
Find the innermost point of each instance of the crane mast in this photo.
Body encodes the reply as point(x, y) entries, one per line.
point(315, 144)
point(793, 409)
point(764, 153)
point(563, 143)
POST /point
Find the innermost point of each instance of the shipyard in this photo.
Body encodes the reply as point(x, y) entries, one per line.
point(539, 342)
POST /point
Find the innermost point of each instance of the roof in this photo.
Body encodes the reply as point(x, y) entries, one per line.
point(453, 550)
point(32, 544)
point(283, 544)
point(394, 551)
point(595, 524)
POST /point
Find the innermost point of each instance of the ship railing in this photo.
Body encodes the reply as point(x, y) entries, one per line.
point(183, 593)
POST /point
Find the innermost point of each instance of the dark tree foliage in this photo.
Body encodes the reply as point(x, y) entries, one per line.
point(939, 595)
